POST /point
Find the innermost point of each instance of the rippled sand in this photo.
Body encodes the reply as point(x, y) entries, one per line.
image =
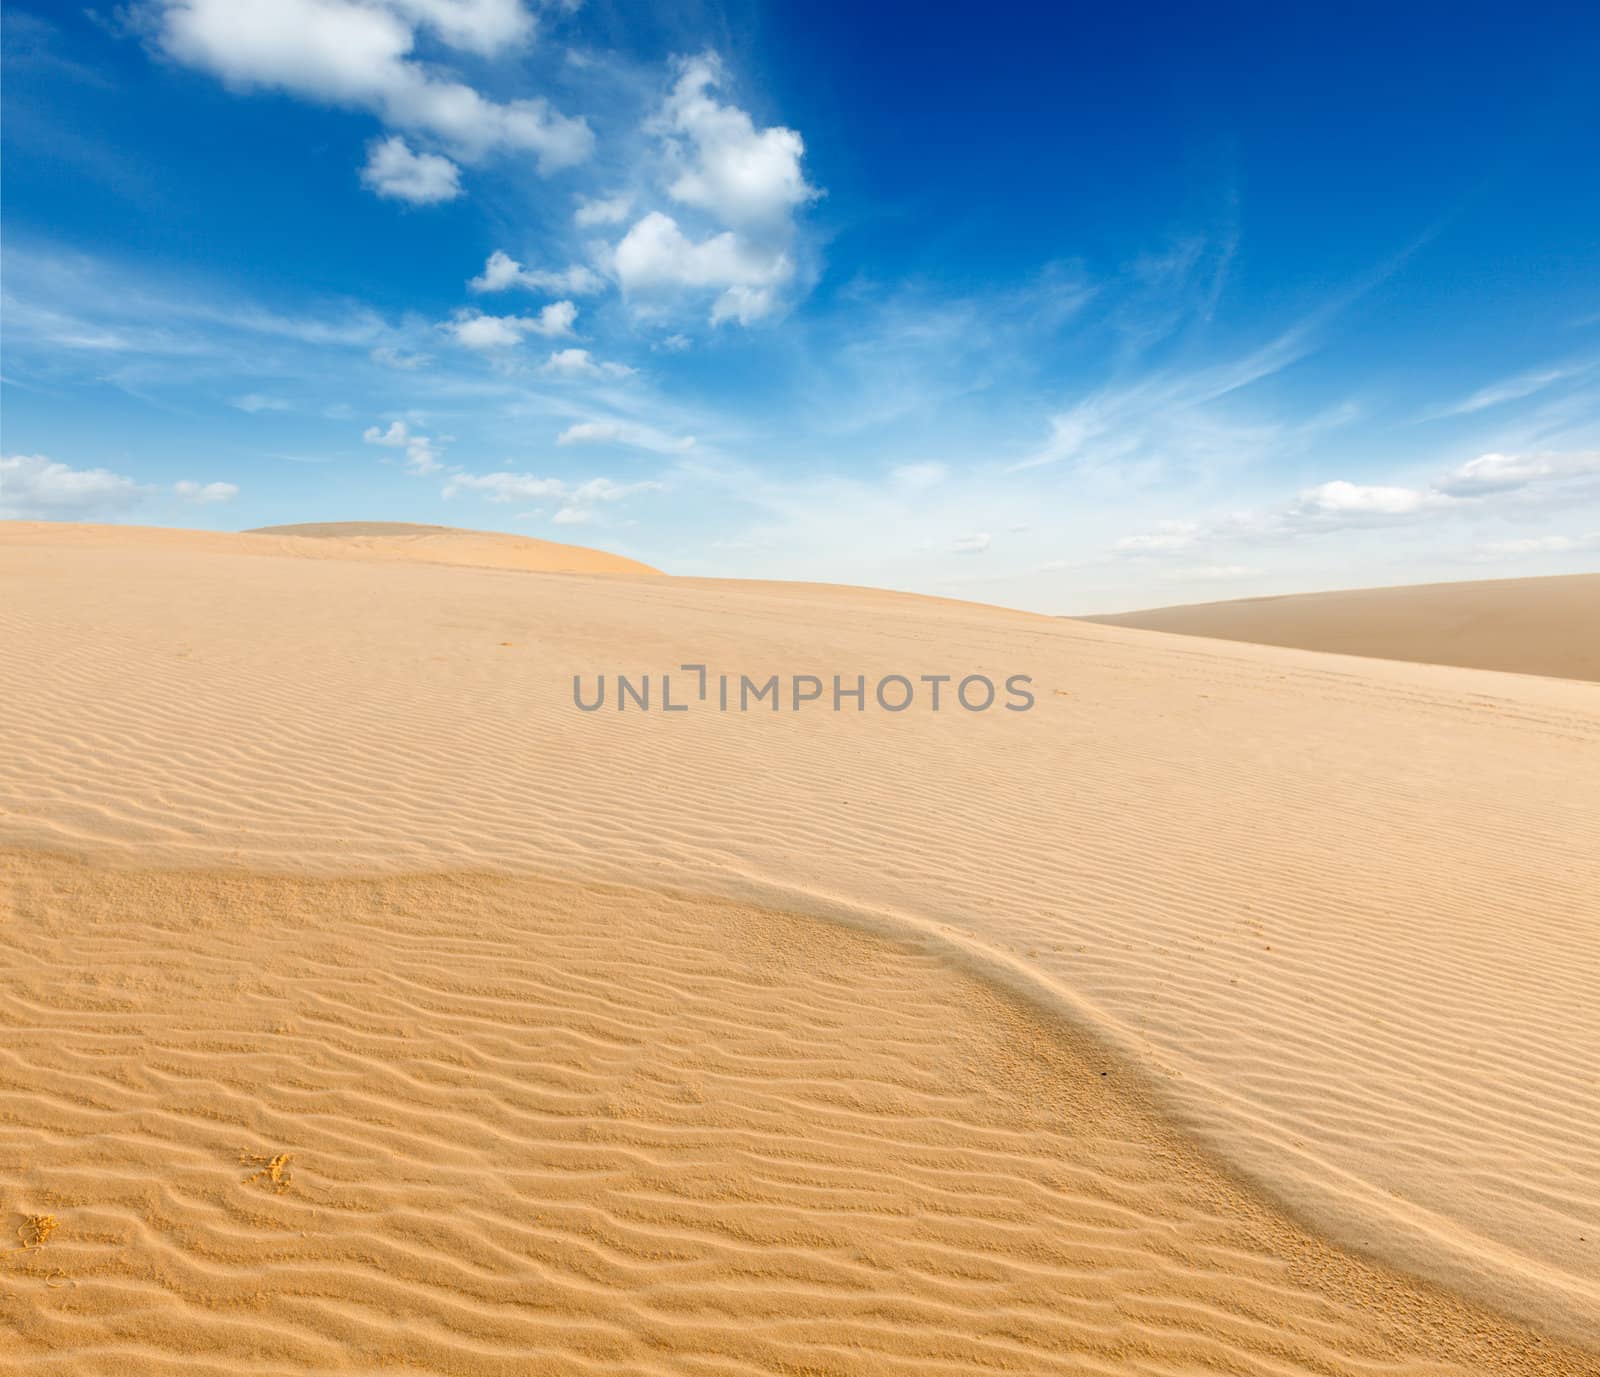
point(364, 1004)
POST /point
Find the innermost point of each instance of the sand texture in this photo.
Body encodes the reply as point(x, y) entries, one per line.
point(361, 540)
point(1237, 1009)
point(1525, 626)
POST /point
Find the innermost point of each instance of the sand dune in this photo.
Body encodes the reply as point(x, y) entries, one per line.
point(608, 1130)
point(1527, 626)
point(364, 540)
point(817, 1089)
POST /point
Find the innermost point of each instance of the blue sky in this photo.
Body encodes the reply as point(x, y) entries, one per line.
point(1075, 310)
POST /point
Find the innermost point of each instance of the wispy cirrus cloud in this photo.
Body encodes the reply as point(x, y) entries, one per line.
point(1512, 389)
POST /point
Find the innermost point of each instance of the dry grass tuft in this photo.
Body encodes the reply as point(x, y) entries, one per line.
point(270, 1171)
point(35, 1230)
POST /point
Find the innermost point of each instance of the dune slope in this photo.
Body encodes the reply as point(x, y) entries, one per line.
point(605, 1130)
point(450, 545)
point(342, 540)
point(1338, 915)
point(1526, 626)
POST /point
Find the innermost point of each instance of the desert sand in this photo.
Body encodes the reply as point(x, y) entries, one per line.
point(367, 1006)
point(1526, 626)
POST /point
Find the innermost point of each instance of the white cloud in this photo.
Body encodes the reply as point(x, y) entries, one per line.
point(1167, 535)
point(973, 544)
point(503, 271)
point(478, 26)
point(479, 331)
point(204, 494)
point(580, 363)
point(747, 181)
point(1497, 485)
point(742, 175)
point(255, 403)
point(1165, 424)
point(423, 179)
point(656, 254)
point(611, 210)
point(357, 53)
point(32, 487)
point(395, 358)
point(1510, 390)
point(579, 506)
point(421, 456)
point(1497, 473)
point(487, 332)
point(1538, 545)
point(505, 487)
point(578, 501)
point(1341, 498)
point(1203, 573)
point(624, 433)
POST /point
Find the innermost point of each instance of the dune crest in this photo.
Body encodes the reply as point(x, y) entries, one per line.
point(1545, 626)
point(371, 540)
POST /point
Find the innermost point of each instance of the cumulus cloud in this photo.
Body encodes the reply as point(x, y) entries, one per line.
point(656, 254)
point(609, 210)
point(578, 500)
point(479, 331)
point(974, 544)
point(742, 175)
point(423, 179)
point(746, 181)
point(34, 487)
point(580, 363)
point(205, 494)
point(421, 456)
point(628, 433)
point(1344, 499)
point(503, 271)
point(358, 54)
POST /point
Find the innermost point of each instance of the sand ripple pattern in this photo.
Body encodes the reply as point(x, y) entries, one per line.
point(1343, 913)
point(531, 1128)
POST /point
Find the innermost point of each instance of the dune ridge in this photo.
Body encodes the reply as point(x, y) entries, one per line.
point(360, 540)
point(1338, 913)
point(1547, 625)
